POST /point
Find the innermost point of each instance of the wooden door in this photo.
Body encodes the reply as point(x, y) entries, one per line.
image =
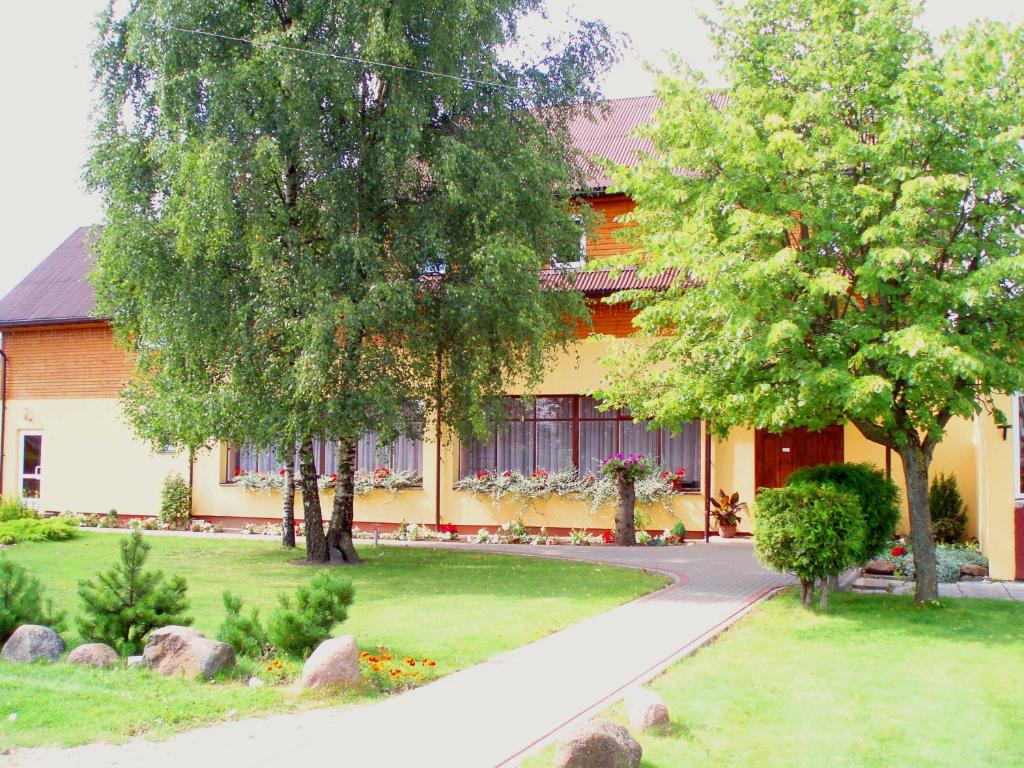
point(777, 456)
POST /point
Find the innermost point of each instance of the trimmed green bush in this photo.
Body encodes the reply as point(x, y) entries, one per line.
point(175, 504)
point(243, 633)
point(813, 531)
point(297, 626)
point(949, 513)
point(120, 607)
point(22, 601)
point(13, 508)
point(37, 529)
point(878, 496)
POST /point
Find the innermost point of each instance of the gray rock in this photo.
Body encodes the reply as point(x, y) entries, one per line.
point(334, 663)
point(135, 661)
point(598, 744)
point(33, 641)
point(646, 710)
point(974, 571)
point(178, 650)
point(94, 655)
point(880, 568)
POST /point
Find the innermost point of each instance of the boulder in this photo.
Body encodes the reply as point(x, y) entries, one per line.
point(880, 568)
point(94, 655)
point(974, 571)
point(135, 661)
point(334, 663)
point(646, 711)
point(33, 641)
point(598, 744)
point(178, 650)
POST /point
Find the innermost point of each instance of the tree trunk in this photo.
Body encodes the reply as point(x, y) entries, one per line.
point(823, 604)
point(339, 535)
point(625, 519)
point(288, 509)
point(915, 469)
point(316, 542)
point(806, 592)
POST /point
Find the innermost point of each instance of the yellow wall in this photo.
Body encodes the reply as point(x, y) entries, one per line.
point(91, 460)
point(993, 497)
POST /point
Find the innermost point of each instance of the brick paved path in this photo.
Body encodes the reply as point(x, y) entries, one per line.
point(495, 712)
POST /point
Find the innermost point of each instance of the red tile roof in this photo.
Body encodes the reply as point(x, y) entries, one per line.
point(601, 282)
point(56, 291)
point(609, 134)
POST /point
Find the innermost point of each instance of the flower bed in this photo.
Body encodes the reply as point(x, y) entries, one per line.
point(365, 482)
point(595, 491)
point(948, 560)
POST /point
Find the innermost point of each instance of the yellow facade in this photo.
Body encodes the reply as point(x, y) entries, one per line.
point(93, 463)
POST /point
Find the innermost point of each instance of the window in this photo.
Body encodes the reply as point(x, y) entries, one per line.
point(559, 432)
point(403, 455)
point(581, 257)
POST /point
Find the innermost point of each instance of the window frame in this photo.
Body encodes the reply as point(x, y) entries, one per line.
point(618, 417)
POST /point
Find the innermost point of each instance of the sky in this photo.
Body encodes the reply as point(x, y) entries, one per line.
point(46, 85)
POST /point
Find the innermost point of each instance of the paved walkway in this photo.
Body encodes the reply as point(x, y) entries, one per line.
point(990, 590)
point(494, 713)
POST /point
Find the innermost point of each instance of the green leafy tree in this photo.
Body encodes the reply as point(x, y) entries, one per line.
point(852, 216)
point(22, 601)
point(337, 225)
point(814, 531)
point(120, 607)
point(175, 501)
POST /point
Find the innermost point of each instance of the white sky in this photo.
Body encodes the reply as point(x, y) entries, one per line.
point(46, 85)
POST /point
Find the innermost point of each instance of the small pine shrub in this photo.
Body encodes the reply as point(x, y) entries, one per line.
point(22, 601)
point(949, 514)
point(120, 607)
point(878, 495)
point(243, 633)
point(175, 506)
point(37, 529)
point(679, 530)
point(13, 508)
point(813, 531)
point(297, 626)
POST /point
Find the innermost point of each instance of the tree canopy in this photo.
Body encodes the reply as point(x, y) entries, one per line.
point(852, 220)
point(326, 218)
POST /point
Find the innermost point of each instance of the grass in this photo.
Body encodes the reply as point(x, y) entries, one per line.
point(456, 607)
point(874, 682)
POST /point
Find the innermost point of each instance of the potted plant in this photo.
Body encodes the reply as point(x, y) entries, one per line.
point(726, 511)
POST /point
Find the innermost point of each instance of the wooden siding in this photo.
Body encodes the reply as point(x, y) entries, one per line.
point(604, 242)
point(611, 319)
point(72, 361)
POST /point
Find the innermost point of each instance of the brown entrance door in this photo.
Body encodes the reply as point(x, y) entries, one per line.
point(777, 456)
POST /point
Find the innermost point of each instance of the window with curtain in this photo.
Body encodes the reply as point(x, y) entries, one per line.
point(570, 431)
point(403, 455)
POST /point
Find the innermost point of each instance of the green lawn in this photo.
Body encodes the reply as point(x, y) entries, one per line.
point(874, 682)
point(456, 607)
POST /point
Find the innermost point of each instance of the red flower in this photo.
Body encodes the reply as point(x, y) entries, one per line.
point(666, 474)
point(607, 537)
point(334, 476)
point(899, 551)
point(680, 472)
point(239, 471)
point(483, 474)
point(281, 472)
point(507, 473)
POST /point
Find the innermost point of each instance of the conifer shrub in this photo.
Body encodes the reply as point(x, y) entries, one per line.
point(300, 623)
point(13, 508)
point(949, 513)
point(812, 531)
point(22, 601)
point(879, 499)
point(121, 606)
point(37, 529)
point(243, 632)
point(175, 502)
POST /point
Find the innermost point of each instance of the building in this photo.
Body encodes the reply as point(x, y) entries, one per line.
point(65, 445)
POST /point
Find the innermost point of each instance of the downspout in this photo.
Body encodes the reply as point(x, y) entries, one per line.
point(437, 448)
point(191, 477)
point(888, 463)
point(707, 483)
point(3, 412)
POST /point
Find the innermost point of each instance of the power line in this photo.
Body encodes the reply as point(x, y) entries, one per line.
point(341, 57)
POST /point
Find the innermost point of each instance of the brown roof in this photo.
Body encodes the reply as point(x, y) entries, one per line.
point(609, 134)
point(56, 291)
point(602, 282)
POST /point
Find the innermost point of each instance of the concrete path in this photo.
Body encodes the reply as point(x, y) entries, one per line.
point(986, 590)
point(496, 712)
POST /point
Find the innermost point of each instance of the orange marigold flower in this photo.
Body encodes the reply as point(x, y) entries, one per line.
point(430, 663)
